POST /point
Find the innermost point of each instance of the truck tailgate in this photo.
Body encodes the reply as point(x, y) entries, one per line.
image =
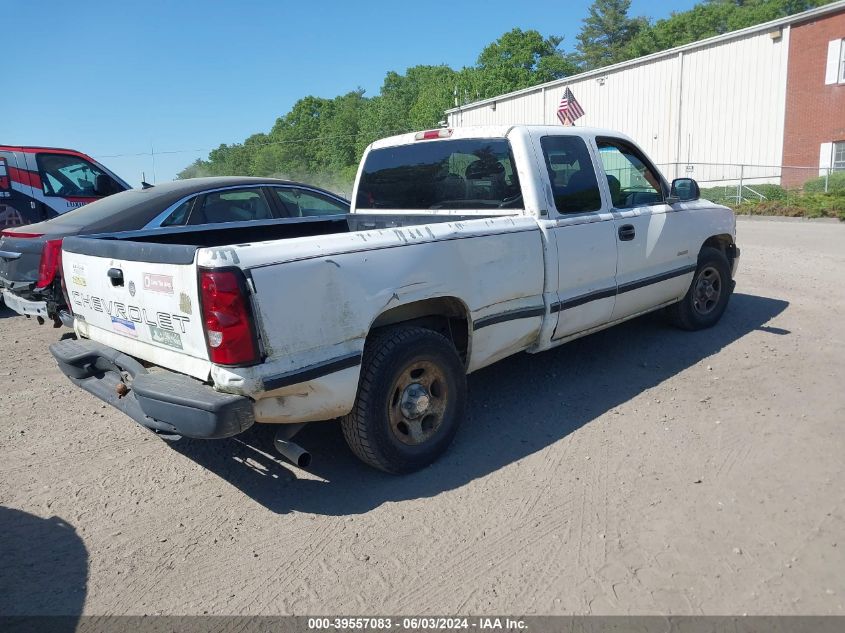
point(126, 299)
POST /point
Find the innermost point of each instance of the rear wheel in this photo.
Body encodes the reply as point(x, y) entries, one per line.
point(411, 399)
point(708, 294)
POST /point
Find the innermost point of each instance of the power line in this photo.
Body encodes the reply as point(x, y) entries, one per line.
point(251, 145)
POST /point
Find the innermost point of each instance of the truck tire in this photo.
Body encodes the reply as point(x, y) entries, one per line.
point(411, 399)
point(708, 294)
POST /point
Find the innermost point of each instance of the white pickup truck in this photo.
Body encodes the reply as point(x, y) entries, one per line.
point(464, 246)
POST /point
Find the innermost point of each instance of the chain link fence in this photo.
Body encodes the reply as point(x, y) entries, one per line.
point(767, 189)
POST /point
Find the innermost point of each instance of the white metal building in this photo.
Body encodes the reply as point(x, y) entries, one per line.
point(721, 101)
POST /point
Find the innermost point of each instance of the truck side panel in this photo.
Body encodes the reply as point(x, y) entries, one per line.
point(315, 313)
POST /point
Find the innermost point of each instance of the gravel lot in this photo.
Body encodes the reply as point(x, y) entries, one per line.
point(639, 470)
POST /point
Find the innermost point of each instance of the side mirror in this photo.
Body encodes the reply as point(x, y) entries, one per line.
point(103, 185)
point(683, 190)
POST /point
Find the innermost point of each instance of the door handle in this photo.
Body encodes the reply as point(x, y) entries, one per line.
point(627, 232)
point(116, 276)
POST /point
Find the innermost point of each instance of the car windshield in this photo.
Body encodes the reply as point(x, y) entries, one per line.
point(443, 174)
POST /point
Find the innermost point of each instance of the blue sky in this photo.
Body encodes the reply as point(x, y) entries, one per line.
point(119, 78)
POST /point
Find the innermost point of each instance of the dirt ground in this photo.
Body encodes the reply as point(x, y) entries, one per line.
point(639, 470)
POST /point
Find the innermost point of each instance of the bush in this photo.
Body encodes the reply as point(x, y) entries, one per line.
point(720, 195)
point(807, 205)
point(727, 195)
point(771, 192)
point(835, 183)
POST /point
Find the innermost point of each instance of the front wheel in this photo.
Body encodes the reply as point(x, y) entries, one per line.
point(708, 295)
point(411, 399)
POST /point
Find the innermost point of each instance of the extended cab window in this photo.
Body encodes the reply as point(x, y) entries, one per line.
point(232, 205)
point(571, 174)
point(70, 176)
point(299, 203)
point(442, 174)
point(632, 181)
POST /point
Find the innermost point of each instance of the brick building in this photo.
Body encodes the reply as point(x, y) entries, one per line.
point(814, 126)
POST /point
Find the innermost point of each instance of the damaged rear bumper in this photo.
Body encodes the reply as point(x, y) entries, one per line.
point(25, 307)
point(162, 401)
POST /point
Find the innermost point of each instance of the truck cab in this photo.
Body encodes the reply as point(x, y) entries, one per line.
point(39, 183)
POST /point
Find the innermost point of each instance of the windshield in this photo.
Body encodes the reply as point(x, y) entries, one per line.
point(452, 174)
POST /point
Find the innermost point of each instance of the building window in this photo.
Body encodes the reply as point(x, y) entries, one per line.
point(839, 155)
point(835, 69)
point(842, 62)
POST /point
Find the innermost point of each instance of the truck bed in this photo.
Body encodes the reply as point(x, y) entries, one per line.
point(188, 238)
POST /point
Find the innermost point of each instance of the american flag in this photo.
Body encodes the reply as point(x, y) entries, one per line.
point(569, 108)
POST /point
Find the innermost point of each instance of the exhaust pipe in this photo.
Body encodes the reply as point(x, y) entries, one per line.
point(293, 452)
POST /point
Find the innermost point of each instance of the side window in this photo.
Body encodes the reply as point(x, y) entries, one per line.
point(69, 176)
point(631, 181)
point(571, 174)
point(5, 183)
point(232, 205)
point(180, 214)
point(839, 155)
point(300, 203)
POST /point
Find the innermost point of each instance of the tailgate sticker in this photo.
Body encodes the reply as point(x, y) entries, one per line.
point(124, 327)
point(184, 303)
point(158, 283)
point(165, 337)
point(78, 277)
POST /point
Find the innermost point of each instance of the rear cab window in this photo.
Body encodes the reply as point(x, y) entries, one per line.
point(441, 174)
point(572, 175)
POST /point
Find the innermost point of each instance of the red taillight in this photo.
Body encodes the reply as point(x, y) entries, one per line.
point(228, 328)
point(16, 234)
point(51, 262)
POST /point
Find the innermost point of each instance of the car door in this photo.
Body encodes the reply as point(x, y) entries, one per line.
point(656, 260)
point(581, 227)
point(69, 181)
point(17, 206)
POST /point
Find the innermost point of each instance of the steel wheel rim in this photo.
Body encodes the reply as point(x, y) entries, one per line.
point(417, 401)
point(707, 291)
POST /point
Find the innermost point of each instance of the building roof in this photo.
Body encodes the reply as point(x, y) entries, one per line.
point(834, 7)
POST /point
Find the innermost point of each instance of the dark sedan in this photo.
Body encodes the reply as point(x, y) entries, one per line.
point(30, 256)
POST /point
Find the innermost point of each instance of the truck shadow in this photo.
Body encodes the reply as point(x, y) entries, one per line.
point(516, 407)
point(44, 572)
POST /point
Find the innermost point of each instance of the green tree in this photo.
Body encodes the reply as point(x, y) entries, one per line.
point(709, 19)
point(518, 59)
point(606, 33)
